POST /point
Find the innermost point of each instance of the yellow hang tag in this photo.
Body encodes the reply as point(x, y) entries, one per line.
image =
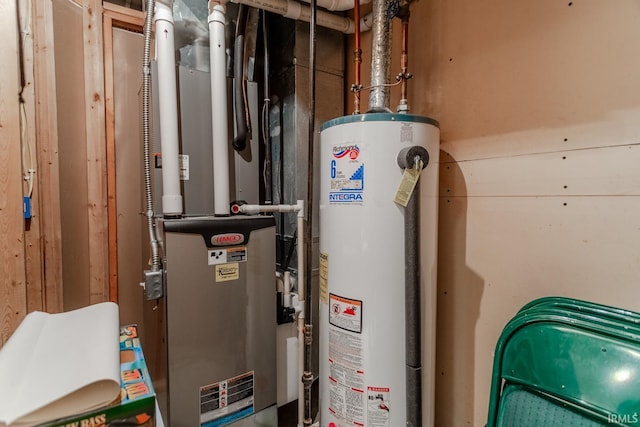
point(323, 278)
point(407, 184)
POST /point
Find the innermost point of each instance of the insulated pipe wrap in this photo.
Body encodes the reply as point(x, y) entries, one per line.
point(412, 280)
point(414, 397)
point(408, 159)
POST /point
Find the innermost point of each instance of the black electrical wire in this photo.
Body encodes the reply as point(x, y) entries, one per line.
point(307, 376)
point(266, 132)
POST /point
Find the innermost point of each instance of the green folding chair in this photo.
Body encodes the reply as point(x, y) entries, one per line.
point(614, 313)
point(556, 366)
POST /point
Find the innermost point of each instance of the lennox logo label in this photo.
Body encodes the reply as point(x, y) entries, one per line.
point(227, 239)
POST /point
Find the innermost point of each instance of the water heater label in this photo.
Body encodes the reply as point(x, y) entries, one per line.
point(345, 313)
point(346, 377)
point(324, 277)
point(378, 406)
point(226, 401)
point(346, 171)
point(184, 167)
point(406, 133)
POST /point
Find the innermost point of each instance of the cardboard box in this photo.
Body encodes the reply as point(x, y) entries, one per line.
point(136, 405)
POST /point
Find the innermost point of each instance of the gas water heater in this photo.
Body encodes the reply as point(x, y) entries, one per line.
point(362, 322)
point(215, 331)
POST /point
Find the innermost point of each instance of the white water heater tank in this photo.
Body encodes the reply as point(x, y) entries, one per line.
point(362, 321)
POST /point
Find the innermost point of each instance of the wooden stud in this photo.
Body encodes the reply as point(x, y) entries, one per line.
point(33, 250)
point(48, 177)
point(111, 159)
point(12, 268)
point(96, 151)
point(124, 17)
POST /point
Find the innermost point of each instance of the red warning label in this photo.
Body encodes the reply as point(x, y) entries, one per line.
point(345, 313)
point(378, 406)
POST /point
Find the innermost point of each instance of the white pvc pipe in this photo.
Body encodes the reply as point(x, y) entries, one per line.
point(219, 120)
point(255, 209)
point(294, 10)
point(168, 109)
point(301, 251)
point(338, 5)
point(300, 327)
point(300, 319)
point(300, 243)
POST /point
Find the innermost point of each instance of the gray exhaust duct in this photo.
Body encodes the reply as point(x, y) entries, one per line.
point(380, 58)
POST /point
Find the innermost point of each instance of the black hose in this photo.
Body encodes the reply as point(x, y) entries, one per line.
point(240, 140)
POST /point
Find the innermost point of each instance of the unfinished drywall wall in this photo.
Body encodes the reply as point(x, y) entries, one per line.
point(133, 253)
point(540, 115)
point(67, 19)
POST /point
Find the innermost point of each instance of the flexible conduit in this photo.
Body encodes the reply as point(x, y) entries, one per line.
point(146, 135)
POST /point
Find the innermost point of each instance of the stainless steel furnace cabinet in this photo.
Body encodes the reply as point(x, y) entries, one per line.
point(212, 337)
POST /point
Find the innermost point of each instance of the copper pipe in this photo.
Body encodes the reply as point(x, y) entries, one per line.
point(357, 86)
point(404, 58)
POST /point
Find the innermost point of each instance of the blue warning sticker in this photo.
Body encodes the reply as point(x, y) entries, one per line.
point(346, 174)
